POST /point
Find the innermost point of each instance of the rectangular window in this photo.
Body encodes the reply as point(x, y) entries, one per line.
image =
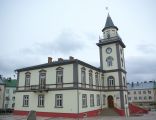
point(90, 80)
point(103, 82)
point(58, 100)
point(134, 92)
point(59, 78)
point(7, 91)
point(25, 100)
point(83, 78)
point(135, 98)
point(97, 80)
point(98, 100)
point(27, 80)
point(40, 100)
point(139, 92)
point(149, 92)
point(42, 80)
point(129, 98)
point(84, 100)
point(91, 100)
point(140, 98)
point(104, 99)
point(144, 92)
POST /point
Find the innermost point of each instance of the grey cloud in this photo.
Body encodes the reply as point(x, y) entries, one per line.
point(141, 69)
point(67, 42)
point(147, 48)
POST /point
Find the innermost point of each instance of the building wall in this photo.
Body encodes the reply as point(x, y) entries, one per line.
point(9, 97)
point(50, 75)
point(2, 90)
point(69, 101)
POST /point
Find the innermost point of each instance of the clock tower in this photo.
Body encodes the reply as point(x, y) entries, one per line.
point(111, 48)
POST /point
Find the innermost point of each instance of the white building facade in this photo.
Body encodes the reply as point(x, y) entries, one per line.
point(142, 94)
point(73, 88)
point(2, 90)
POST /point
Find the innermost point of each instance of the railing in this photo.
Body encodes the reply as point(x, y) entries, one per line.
point(47, 87)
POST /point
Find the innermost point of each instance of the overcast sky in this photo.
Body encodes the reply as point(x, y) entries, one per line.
point(32, 30)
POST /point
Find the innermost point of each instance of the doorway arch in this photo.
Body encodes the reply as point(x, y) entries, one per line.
point(110, 101)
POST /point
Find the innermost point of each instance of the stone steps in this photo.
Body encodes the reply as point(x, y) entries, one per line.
point(108, 112)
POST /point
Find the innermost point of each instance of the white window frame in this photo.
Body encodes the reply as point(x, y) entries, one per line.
point(98, 99)
point(41, 100)
point(25, 100)
point(58, 100)
point(91, 100)
point(84, 100)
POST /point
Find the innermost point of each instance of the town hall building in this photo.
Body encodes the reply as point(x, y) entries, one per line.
point(73, 88)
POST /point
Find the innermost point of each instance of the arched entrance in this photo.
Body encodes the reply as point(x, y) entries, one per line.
point(110, 101)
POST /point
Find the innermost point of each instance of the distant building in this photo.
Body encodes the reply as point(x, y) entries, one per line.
point(9, 97)
point(73, 88)
point(2, 90)
point(142, 94)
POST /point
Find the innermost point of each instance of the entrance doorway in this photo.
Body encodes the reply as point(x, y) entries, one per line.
point(110, 101)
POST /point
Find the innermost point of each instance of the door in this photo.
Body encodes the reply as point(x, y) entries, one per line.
point(110, 101)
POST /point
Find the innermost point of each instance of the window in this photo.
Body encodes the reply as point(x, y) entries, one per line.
point(7, 91)
point(109, 61)
point(59, 77)
point(13, 98)
point(134, 92)
point(150, 97)
point(129, 98)
point(98, 99)
point(129, 93)
point(91, 100)
point(126, 99)
point(97, 80)
point(122, 62)
point(84, 100)
point(83, 77)
point(103, 82)
point(145, 98)
point(135, 98)
point(41, 101)
point(149, 92)
point(42, 79)
point(140, 98)
point(27, 79)
point(111, 81)
point(144, 92)
point(26, 100)
point(6, 105)
point(139, 92)
point(90, 79)
point(13, 105)
point(124, 81)
point(104, 99)
point(59, 100)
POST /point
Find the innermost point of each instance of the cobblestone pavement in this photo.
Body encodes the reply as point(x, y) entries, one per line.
point(150, 116)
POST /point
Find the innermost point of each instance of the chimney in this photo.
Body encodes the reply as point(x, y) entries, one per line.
point(49, 59)
point(71, 58)
point(60, 59)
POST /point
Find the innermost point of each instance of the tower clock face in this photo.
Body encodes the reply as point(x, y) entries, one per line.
point(108, 50)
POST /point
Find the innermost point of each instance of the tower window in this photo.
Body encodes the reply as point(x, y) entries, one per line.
point(42, 79)
point(109, 61)
point(111, 81)
point(27, 79)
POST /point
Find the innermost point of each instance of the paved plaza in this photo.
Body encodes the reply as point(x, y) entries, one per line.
point(150, 116)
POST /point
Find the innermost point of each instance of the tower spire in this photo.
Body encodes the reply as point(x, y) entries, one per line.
point(109, 23)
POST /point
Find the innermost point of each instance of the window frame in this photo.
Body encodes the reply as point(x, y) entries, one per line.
point(59, 77)
point(91, 100)
point(41, 100)
point(84, 100)
point(25, 100)
point(58, 100)
point(83, 77)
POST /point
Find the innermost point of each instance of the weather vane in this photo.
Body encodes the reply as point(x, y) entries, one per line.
point(107, 9)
